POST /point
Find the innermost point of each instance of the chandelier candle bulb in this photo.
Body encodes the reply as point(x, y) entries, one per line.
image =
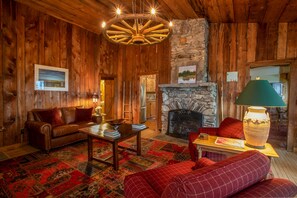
point(153, 11)
point(118, 11)
point(103, 25)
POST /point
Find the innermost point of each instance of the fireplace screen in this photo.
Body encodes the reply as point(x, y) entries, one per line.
point(181, 122)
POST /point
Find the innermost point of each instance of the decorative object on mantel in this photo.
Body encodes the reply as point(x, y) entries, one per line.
point(137, 28)
point(256, 122)
point(187, 74)
point(49, 78)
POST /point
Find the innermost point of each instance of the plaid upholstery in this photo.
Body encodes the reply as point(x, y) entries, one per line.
point(222, 179)
point(270, 188)
point(202, 162)
point(231, 128)
point(239, 176)
point(158, 178)
point(137, 186)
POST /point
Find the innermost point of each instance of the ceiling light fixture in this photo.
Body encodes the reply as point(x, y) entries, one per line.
point(137, 28)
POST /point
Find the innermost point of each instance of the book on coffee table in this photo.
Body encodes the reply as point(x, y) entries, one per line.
point(230, 142)
point(111, 133)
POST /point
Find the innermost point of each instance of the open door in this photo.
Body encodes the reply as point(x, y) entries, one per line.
point(107, 97)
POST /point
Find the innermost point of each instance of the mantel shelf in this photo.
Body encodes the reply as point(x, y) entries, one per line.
point(199, 84)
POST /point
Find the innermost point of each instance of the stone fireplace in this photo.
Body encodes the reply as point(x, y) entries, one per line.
point(189, 43)
point(200, 97)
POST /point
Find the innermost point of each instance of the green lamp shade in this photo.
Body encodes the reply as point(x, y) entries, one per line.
point(259, 93)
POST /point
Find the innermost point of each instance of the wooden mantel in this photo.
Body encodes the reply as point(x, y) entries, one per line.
point(200, 84)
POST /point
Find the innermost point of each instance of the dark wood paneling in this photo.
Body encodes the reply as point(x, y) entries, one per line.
point(9, 68)
point(1, 77)
point(29, 37)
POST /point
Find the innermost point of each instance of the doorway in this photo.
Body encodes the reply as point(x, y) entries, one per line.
point(148, 95)
point(107, 96)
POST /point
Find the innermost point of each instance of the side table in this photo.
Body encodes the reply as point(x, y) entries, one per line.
point(210, 145)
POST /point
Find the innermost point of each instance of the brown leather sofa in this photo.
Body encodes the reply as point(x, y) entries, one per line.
point(52, 128)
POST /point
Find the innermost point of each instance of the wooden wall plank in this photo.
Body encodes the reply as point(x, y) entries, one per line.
point(11, 134)
point(21, 116)
point(251, 42)
point(261, 52)
point(292, 41)
point(233, 67)
point(220, 71)
point(282, 40)
point(63, 57)
point(1, 77)
point(272, 37)
point(213, 40)
point(292, 106)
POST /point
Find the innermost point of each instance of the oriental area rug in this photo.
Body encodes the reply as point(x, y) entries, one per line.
point(66, 172)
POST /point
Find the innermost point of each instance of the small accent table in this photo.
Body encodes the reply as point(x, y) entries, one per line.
point(97, 132)
point(209, 145)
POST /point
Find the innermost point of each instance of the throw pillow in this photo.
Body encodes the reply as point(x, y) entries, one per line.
point(69, 114)
point(83, 114)
point(202, 162)
point(57, 118)
point(45, 115)
point(231, 128)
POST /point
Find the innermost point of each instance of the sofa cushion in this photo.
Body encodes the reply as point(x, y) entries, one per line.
point(65, 130)
point(221, 179)
point(68, 114)
point(83, 114)
point(202, 162)
point(57, 117)
point(44, 115)
point(159, 178)
point(231, 128)
point(270, 188)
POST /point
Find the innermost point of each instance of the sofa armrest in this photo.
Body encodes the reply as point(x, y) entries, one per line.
point(270, 188)
point(39, 134)
point(137, 187)
point(209, 130)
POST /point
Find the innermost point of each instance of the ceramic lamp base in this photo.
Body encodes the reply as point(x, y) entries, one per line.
point(256, 126)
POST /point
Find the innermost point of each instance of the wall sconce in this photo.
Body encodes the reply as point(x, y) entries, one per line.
point(256, 123)
point(95, 97)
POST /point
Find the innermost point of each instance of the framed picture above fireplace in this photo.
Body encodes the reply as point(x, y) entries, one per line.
point(187, 74)
point(49, 78)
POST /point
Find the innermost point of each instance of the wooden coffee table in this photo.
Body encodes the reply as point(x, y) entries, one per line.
point(209, 145)
point(97, 132)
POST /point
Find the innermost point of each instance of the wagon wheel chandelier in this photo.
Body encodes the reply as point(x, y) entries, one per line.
point(136, 28)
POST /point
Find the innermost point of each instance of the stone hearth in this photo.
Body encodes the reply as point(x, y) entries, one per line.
point(201, 97)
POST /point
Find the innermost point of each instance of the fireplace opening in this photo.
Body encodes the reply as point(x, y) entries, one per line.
point(182, 121)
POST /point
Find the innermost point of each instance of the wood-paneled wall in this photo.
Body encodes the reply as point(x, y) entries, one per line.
point(237, 46)
point(29, 37)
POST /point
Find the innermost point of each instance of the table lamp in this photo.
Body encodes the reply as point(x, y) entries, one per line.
point(95, 99)
point(258, 94)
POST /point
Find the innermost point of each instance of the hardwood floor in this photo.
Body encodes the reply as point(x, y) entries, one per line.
point(283, 167)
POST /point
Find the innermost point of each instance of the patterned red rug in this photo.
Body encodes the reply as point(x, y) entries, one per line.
point(65, 172)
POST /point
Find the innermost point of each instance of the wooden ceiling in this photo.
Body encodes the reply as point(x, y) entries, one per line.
point(89, 14)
